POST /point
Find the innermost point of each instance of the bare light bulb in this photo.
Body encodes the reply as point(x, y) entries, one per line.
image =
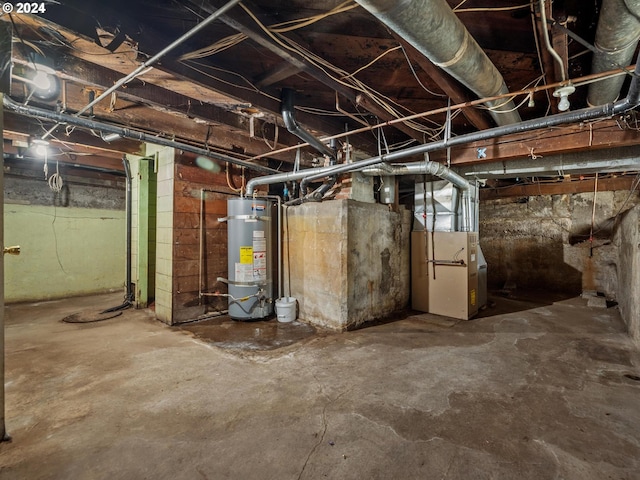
point(564, 104)
point(42, 80)
point(563, 93)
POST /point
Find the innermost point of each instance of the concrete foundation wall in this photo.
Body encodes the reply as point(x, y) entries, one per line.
point(542, 242)
point(346, 262)
point(627, 239)
point(64, 252)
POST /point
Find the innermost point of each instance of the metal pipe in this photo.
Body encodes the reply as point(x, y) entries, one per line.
point(436, 32)
point(616, 40)
point(201, 243)
point(130, 294)
point(427, 167)
point(279, 200)
point(124, 132)
point(547, 43)
point(288, 116)
point(611, 160)
point(632, 100)
point(3, 430)
point(160, 54)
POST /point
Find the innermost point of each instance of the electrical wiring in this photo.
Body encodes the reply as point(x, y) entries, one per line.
point(303, 22)
point(215, 48)
point(539, 53)
point(275, 136)
point(489, 9)
point(251, 87)
point(495, 108)
point(234, 189)
point(415, 75)
point(283, 27)
point(325, 65)
point(373, 61)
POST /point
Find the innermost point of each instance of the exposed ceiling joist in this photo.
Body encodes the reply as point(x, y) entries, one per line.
point(557, 188)
point(241, 22)
point(570, 138)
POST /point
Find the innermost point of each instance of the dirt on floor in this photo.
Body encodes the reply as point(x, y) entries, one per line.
point(531, 389)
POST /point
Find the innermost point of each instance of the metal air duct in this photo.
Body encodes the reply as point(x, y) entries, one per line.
point(435, 31)
point(616, 40)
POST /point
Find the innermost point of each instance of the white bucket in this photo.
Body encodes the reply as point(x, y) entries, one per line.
point(286, 309)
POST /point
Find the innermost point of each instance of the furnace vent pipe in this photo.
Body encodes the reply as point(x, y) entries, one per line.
point(431, 168)
point(609, 109)
point(437, 33)
point(616, 40)
point(420, 168)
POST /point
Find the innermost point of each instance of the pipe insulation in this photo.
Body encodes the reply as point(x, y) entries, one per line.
point(616, 41)
point(435, 31)
point(631, 101)
point(61, 118)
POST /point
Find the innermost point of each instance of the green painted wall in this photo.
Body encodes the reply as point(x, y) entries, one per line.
point(64, 251)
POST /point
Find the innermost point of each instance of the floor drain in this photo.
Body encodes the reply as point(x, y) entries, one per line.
point(630, 376)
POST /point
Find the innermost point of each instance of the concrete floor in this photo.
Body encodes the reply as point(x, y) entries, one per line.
point(527, 391)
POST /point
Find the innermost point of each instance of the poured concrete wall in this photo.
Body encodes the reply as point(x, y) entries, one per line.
point(346, 262)
point(542, 242)
point(627, 239)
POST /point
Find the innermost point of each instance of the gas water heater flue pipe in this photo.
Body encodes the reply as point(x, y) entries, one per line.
point(289, 119)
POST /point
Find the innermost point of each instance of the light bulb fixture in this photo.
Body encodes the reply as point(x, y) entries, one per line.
point(40, 147)
point(563, 94)
point(42, 77)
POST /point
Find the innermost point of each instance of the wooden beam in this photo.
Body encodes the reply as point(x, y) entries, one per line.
point(559, 188)
point(571, 138)
point(282, 72)
point(241, 22)
point(189, 80)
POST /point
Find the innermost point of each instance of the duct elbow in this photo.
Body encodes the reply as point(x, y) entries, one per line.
point(289, 119)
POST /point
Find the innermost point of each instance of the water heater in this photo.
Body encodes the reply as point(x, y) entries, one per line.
point(250, 277)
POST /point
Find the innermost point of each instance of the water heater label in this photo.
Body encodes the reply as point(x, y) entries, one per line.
point(246, 255)
point(244, 273)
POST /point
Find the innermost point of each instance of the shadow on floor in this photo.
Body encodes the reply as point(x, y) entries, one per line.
point(501, 302)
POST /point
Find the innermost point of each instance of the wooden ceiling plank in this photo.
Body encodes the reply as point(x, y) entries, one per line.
point(558, 188)
point(241, 23)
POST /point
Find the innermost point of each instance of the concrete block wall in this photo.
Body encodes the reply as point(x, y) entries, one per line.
point(346, 262)
point(165, 157)
point(627, 240)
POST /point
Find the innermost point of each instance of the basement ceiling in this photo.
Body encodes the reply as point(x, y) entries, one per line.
point(220, 89)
